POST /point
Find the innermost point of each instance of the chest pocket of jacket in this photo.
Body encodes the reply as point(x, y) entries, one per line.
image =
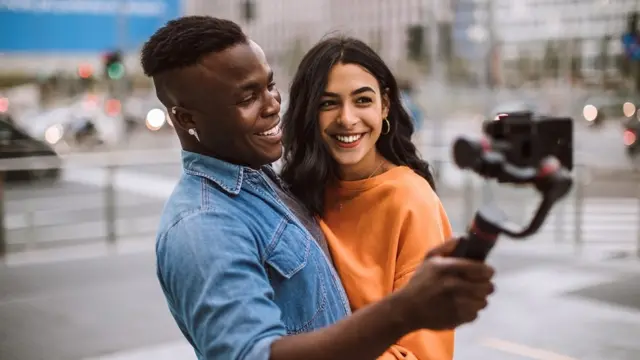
point(299, 290)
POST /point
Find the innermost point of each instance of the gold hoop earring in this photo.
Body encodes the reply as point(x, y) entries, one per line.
point(386, 121)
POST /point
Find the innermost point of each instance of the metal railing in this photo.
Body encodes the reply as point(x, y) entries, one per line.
point(112, 197)
point(98, 197)
point(602, 210)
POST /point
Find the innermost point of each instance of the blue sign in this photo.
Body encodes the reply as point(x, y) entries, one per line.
point(81, 26)
point(631, 45)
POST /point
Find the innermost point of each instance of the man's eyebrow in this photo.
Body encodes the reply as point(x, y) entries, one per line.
point(354, 92)
point(254, 84)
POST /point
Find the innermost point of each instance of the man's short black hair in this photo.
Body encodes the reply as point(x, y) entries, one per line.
point(184, 41)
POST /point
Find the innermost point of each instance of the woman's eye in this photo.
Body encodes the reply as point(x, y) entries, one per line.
point(326, 104)
point(363, 100)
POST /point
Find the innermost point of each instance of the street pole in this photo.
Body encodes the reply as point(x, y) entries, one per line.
point(440, 11)
point(121, 21)
point(3, 231)
point(487, 90)
point(121, 85)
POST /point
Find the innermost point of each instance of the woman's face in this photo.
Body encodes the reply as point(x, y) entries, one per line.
point(351, 112)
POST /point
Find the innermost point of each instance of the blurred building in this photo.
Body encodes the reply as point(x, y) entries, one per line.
point(50, 36)
point(565, 37)
point(482, 40)
point(397, 29)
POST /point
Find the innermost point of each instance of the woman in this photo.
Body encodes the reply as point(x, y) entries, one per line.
point(349, 158)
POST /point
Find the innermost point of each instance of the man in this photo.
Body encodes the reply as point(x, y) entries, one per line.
point(239, 269)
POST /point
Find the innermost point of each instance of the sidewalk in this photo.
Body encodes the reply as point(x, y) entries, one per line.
point(105, 304)
point(616, 256)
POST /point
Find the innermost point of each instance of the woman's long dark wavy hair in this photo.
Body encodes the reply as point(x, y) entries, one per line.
point(308, 165)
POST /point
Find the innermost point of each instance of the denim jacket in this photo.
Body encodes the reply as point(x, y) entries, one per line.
point(238, 270)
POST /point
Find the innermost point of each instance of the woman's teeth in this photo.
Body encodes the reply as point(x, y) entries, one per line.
point(271, 132)
point(348, 138)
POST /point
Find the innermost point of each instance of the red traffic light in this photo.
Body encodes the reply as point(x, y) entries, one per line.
point(85, 71)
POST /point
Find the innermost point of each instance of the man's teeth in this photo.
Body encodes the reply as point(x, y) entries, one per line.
point(271, 132)
point(348, 138)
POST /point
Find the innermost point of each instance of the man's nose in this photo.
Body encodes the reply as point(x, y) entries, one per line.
point(272, 104)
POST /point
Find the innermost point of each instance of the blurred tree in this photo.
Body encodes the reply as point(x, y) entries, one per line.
point(634, 63)
point(602, 62)
point(551, 60)
point(445, 47)
point(415, 43)
point(248, 10)
point(525, 65)
point(459, 70)
point(575, 56)
point(418, 47)
point(576, 67)
point(623, 65)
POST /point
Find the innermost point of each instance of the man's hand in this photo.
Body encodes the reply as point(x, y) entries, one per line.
point(445, 292)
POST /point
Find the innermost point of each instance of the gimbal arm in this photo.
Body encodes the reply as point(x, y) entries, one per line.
point(549, 178)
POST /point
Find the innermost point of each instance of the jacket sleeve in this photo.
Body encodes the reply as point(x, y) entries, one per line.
point(217, 288)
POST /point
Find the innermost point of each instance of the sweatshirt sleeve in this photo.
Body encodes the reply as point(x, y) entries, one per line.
point(425, 226)
point(398, 352)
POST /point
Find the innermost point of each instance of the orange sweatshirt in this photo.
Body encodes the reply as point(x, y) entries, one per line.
point(379, 231)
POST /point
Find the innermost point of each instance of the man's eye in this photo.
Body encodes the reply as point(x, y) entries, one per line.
point(247, 99)
point(272, 86)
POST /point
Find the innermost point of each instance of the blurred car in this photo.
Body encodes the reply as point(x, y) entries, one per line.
point(15, 143)
point(148, 111)
point(4, 105)
point(630, 134)
point(598, 108)
point(630, 140)
point(89, 120)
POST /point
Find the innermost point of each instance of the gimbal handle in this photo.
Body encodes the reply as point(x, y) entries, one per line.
point(550, 179)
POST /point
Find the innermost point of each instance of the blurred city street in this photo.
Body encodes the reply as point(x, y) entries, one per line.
point(68, 294)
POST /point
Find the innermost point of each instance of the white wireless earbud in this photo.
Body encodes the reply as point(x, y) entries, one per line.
point(193, 132)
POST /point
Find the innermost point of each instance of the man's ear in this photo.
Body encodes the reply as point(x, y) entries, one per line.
point(181, 118)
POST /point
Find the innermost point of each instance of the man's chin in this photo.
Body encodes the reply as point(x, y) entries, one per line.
point(272, 156)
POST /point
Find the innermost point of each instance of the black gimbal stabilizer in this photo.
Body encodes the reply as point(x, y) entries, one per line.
point(487, 158)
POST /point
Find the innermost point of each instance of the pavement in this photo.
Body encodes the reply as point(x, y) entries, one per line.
point(109, 306)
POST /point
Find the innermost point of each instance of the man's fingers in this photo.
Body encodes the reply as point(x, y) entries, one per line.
point(461, 288)
point(468, 309)
point(475, 291)
point(467, 269)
